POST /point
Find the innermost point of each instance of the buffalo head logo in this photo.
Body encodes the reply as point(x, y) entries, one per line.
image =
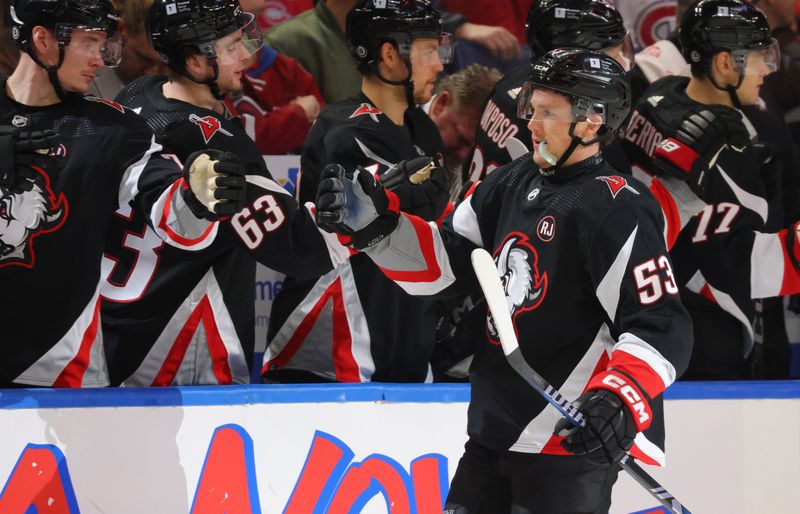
point(518, 266)
point(27, 209)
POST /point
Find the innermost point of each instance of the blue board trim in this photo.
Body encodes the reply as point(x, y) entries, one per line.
point(328, 393)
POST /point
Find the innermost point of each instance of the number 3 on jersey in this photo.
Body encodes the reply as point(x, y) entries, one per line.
point(653, 278)
point(248, 228)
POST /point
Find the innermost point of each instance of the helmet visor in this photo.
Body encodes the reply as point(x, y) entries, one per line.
point(91, 42)
point(432, 50)
point(622, 53)
point(239, 44)
point(582, 109)
point(758, 61)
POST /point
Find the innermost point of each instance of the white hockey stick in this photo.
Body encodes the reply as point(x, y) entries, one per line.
point(486, 271)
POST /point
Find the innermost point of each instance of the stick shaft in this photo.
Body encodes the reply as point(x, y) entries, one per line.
point(486, 271)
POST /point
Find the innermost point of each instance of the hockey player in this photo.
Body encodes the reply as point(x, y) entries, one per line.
point(587, 276)
point(591, 24)
point(55, 209)
point(173, 318)
point(354, 324)
point(724, 255)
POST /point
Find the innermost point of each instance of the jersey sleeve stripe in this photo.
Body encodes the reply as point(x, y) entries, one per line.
point(425, 238)
point(267, 184)
point(129, 186)
point(465, 222)
point(670, 209)
point(177, 225)
point(748, 200)
point(644, 363)
point(608, 290)
point(698, 284)
point(645, 451)
point(772, 272)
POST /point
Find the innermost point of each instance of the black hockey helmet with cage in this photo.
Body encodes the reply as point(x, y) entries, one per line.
point(373, 22)
point(173, 25)
point(594, 82)
point(60, 16)
point(712, 26)
point(588, 24)
point(63, 17)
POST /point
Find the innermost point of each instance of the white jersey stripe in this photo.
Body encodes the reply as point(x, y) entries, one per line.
point(46, 370)
point(766, 265)
point(465, 222)
point(608, 290)
point(540, 429)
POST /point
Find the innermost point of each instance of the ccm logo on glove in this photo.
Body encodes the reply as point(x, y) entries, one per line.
point(630, 394)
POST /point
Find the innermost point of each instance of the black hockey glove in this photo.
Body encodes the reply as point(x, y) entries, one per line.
point(422, 188)
point(215, 184)
point(355, 205)
point(20, 150)
point(615, 409)
point(609, 430)
point(692, 152)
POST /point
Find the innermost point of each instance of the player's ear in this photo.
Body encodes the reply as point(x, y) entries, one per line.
point(722, 66)
point(440, 103)
point(196, 65)
point(43, 41)
point(388, 54)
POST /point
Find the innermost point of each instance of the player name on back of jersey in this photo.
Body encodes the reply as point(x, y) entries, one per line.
point(643, 134)
point(496, 125)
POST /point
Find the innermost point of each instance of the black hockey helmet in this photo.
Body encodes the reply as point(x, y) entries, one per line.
point(373, 22)
point(594, 82)
point(61, 17)
point(173, 25)
point(587, 24)
point(709, 27)
point(712, 26)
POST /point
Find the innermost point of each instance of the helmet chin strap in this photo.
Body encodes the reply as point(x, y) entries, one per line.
point(211, 83)
point(407, 83)
point(556, 163)
point(729, 88)
point(52, 71)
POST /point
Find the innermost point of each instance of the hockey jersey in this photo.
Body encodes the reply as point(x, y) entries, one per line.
point(588, 280)
point(174, 318)
point(353, 324)
point(724, 252)
point(52, 234)
point(501, 135)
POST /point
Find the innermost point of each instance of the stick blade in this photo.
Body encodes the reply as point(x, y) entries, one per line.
point(486, 271)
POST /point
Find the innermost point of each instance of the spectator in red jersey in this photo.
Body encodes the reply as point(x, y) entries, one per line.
point(280, 99)
point(269, 13)
point(278, 104)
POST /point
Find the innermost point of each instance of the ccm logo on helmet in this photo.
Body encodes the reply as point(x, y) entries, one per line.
point(630, 395)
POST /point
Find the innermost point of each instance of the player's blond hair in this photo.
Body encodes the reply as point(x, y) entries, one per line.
point(470, 87)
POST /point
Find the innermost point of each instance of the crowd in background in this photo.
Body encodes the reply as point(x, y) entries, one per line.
point(306, 65)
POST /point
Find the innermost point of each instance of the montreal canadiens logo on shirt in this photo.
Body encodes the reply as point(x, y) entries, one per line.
point(209, 126)
point(518, 266)
point(27, 210)
point(616, 184)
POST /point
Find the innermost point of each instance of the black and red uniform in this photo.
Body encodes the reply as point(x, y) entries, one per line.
point(353, 324)
point(724, 254)
point(52, 234)
point(174, 318)
point(589, 281)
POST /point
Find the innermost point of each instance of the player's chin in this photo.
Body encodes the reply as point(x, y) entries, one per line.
point(539, 160)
